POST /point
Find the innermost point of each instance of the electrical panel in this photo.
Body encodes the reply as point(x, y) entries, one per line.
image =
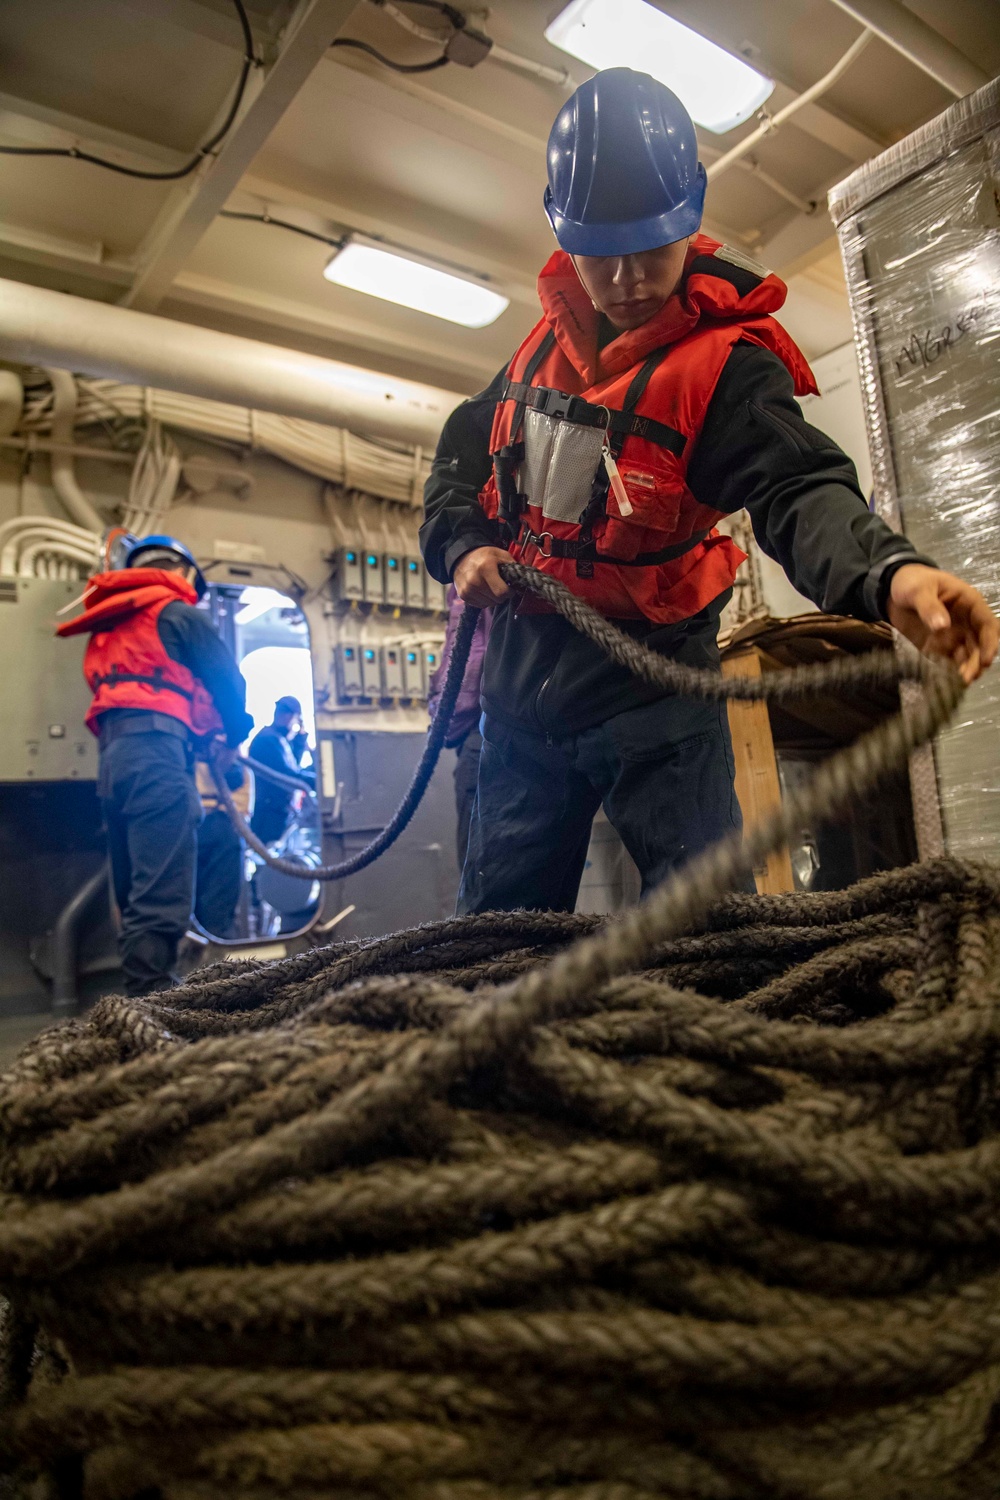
point(394, 583)
point(349, 670)
point(43, 736)
point(413, 575)
point(412, 665)
point(371, 671)
point(436, 593)
point(374, 582)
point(430, 653)
point(348, 574)
point(392, 670)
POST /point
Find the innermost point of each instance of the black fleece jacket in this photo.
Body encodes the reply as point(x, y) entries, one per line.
point(188, 637)
point(757, 451)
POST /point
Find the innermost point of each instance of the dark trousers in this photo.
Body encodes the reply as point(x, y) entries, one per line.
point(466, 778)
point(664, 773)
point(219, 877)
point(151, 812)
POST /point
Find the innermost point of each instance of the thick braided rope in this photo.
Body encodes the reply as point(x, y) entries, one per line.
point(580, 1234)
point(702, 1203)
point(411, 798)
point(877, 669)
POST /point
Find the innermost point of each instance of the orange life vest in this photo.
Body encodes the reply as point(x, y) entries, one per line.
point(650, 550)
point(126, 664)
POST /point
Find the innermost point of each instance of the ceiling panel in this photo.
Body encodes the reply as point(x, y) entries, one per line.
point(449, 163)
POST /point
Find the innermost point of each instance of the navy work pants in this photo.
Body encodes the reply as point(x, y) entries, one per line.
point(663, 772)
point(466, 776)
point(151, 812)
point(219, 879)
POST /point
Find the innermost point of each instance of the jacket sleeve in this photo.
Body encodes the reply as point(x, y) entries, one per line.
point(800, 489)
point(454, 521)
point(188, 637)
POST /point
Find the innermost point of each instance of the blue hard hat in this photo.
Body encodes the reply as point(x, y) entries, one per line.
point(133, 549)
point(624, 174)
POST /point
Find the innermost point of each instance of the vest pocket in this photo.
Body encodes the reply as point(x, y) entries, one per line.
point(655, 492)
point(560, 461)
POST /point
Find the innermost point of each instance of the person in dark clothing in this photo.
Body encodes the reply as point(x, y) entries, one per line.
point(163, 682)
point(280, 745)
point(655, 396)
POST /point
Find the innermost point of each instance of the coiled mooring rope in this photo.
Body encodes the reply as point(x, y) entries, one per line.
point(478, 1211)
point(877, 669)
point(702, 1203)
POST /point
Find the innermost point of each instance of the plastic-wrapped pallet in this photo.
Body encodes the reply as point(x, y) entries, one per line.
point(919, 231)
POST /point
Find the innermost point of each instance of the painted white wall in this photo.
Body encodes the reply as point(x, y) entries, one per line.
point(839, 409)
point(839, 412)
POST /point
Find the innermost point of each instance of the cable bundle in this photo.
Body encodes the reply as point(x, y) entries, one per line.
point(702, 1205)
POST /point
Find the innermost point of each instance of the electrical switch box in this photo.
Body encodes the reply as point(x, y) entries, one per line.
point(430, 653)
point(392, 670)
point(435, 593)
point(371, 672)
point(394, 584)
point(412, 664)
point(348, 670)
point(348, 575)
point(413, 575)
point(374, 584)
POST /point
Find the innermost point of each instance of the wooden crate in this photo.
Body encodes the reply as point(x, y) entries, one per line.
point(757, 783)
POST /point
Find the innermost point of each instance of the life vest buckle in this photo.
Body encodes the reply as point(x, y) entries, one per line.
point(560, 405)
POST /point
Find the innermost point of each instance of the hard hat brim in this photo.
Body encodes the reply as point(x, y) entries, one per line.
point(634, 236)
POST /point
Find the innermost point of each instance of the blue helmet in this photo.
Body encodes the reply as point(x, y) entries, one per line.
point(624, 174)
point(129, 551)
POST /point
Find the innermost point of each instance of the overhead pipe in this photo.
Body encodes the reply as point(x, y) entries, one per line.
point(63, 475)
point(921, 44)
point(42, 327)
point(774, 122)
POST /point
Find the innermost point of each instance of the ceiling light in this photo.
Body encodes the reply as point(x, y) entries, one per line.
point(395, 277)
point(718, 89)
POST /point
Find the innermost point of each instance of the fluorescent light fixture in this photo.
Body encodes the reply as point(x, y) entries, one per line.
point(718, 89)
point(395, 277)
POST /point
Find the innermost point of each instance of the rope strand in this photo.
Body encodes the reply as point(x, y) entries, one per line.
point(699, 1203)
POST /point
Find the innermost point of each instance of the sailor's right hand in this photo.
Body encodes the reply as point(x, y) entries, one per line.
point(477, 576)
point(223, 756)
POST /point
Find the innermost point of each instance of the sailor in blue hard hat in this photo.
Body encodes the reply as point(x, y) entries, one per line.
point(162, 681)
point(655, 397)
point(158, 552)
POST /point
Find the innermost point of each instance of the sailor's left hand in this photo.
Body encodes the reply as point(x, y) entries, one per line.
point(943, 616)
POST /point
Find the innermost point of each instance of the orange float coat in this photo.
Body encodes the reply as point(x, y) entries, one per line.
point(126, 664)
point(658, 555)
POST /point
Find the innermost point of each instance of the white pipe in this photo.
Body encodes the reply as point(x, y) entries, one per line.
point(34, 444)
point(46, 541)
point(41, 327)
point(51, 549)
point(559, 76)
point(774, 122)
point(918, 42)
point(497, 54)
point(11, 401)
point(14, 533)
point(63, 476)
